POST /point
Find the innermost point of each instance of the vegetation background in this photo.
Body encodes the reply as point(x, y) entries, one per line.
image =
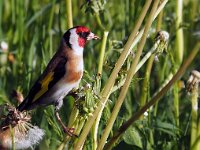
point(32, 31)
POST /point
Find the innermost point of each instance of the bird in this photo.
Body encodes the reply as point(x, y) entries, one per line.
point(62, 74)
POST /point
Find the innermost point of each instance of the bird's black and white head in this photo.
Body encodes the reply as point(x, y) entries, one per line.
point(76, 37)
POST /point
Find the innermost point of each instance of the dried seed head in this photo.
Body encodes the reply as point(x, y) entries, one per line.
point(163, 36)
point(25, 136)
point(193, 81)
point(16, 127)
point(162, 39)
point(196, 74)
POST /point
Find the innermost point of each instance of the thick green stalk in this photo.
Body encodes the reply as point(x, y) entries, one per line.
point(155, 98)
point(176, 103)
point(99, 73)
point(129, 77)
point(179, 31)
point(73, 115)
point(102, 52)
point(149, 65)
point(69, 13)
point(198, 135)
point(179, 54)
point(107, 88)
point(194, 122)
point(146, 81)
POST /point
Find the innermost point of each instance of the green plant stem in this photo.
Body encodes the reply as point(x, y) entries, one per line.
point(179, 32)
point(141, 63)
point(102, 52)
point(146, 81)
point(99, 73)
point(194, 9)
point(99, 21)
point(158, 28)
point(107, 88)
point(159, 23)
point(155, 98)
point(69, 13)
point(136, 40)
point(73, 115)
point(176, 103)
point(146, 57)
point(78, 124)
point(194, 122)
point(198, 135)
point(129, 77)
point(179, 54)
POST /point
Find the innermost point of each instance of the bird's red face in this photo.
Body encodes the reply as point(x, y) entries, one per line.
point(84, 34)
point(77, 37)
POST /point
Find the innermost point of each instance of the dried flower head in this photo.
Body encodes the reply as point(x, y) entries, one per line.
point(193, 81)
point(162, 38)
point(17, 129)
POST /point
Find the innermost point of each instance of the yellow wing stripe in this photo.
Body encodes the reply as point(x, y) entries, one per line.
point(44, 85)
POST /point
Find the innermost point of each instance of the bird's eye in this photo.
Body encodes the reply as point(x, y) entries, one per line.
point(84, 34)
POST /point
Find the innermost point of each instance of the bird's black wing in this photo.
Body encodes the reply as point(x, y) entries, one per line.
point(53, 73)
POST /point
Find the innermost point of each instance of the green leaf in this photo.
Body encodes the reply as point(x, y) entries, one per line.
point(166, 127)
point(133, 137)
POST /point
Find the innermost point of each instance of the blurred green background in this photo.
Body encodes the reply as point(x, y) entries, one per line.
point(33, 29)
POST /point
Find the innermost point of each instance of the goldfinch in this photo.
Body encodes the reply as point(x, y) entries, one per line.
point(62, 74)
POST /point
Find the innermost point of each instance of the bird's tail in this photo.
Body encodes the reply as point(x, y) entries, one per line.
point(23, 105)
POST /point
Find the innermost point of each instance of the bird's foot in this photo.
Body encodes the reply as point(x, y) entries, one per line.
point(69, 131)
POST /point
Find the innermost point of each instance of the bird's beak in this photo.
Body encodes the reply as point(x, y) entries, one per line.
point(92, 36)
